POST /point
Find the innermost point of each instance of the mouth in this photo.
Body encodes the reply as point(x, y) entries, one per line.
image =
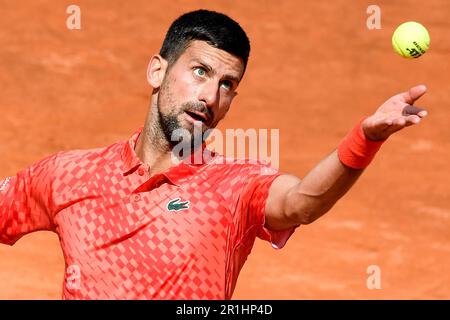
point(198, 116)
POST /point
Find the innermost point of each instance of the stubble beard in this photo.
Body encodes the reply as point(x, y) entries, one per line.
point(168, 124)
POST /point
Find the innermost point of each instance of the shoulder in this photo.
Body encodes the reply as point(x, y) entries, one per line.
point(243, 166)
point(231, 174)
point(78, 164)
point(85, 157)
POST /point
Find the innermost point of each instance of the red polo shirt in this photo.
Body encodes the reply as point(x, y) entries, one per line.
point(181, 234)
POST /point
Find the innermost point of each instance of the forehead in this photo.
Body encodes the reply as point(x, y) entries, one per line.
point(220, 60)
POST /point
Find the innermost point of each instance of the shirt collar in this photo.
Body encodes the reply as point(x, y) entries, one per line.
point(129, 156)
point(130, 161)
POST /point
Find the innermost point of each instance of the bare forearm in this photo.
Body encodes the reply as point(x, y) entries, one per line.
point(293, 201)
point(320, 189)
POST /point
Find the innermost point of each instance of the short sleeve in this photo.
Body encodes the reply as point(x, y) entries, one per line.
point(25, 201)
point(257, 191)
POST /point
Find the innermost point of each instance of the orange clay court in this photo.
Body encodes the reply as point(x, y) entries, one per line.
point(314, 71)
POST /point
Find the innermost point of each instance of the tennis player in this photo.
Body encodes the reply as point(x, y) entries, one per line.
point(134, 224)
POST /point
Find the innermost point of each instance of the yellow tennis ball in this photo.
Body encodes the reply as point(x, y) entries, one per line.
point(411, 40)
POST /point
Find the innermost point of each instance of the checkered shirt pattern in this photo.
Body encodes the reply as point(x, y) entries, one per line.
point(181, 234)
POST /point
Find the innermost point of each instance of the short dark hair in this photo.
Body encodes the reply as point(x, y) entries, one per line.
point(217, 29)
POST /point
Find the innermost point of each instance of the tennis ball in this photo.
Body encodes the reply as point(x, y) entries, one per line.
point(411, 40)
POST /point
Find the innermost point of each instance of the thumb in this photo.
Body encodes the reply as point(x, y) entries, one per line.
point(414, 93)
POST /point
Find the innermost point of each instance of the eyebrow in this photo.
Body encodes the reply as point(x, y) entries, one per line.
point(211, 70)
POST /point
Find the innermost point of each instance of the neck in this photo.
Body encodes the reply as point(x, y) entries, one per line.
point(152, 147)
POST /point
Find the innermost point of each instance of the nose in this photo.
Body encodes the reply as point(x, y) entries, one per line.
point(209, 94)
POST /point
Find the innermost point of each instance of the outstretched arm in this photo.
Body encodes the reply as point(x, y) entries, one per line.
point(293, 201)
point(25, 201)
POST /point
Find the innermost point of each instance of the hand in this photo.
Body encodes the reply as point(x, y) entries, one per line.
point(395, 114)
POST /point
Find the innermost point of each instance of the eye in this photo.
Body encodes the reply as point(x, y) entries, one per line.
point(199, 71)
point(227, 84)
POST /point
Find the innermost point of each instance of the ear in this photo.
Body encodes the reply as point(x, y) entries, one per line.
point(156, 70)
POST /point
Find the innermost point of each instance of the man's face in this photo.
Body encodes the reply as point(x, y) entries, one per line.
point(198, 88)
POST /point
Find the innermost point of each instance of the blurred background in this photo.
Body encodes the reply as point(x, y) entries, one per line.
point(315, 69)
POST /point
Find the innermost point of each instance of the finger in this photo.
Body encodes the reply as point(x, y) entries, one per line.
point(412, 119)
point(399, 122)
point(402, 122)
point(413, 110)
point(396, 125)
point(414, 93)
point(380, 124)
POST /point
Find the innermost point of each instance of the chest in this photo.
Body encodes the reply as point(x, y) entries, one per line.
point(176, 222)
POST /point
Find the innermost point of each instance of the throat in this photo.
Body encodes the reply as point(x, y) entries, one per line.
point(153, 151)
